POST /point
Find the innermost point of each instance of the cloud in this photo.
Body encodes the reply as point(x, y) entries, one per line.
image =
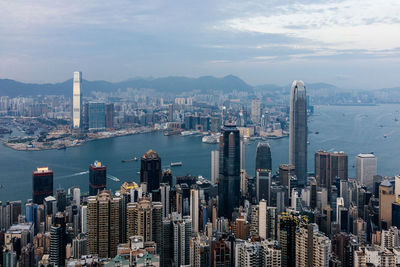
point(349, 24)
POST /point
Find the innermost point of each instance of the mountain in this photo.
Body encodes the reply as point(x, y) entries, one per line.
point(168, 84)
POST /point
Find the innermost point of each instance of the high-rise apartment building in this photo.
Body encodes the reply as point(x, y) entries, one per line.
point(150, 170)
point(298, 131)
point(366, 169)
point(229, 170)
point(97, 178)
point(194, 208)
point(103, 224)
point(77, 100)
point(263, 157)
point(42, 184)
point(58, 240)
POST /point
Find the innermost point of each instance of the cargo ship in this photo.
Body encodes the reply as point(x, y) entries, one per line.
point(175, 164)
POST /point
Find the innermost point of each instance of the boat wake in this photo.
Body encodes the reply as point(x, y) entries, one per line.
point(112, 177)
point(71, 175)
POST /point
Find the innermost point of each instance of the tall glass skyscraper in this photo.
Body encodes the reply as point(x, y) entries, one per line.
point(229, 170)
point(97, 116)
point(298, 131)
point(150, 170)
point(77, 100)
point(263, 157)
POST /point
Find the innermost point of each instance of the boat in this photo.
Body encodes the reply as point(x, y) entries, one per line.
point(308, 142)
point(210, 139)
point(129, 160)
point(316, 132)
point(135, 158)
point(385, 136)
point(60, 147)
point(186, 133)
point(175, 164)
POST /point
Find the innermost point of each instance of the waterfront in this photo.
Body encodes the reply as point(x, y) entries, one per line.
point(353, 129)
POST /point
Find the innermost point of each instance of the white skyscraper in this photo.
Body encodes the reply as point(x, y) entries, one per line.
point(366, 169)
point(262, 219)
point(77, 100)
point(214, 166)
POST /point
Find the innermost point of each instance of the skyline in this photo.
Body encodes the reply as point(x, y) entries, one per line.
point(259, 42)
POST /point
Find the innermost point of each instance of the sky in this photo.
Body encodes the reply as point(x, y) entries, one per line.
point(353, 44)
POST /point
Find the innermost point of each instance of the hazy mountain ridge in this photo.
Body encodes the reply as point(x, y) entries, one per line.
point(172, 84)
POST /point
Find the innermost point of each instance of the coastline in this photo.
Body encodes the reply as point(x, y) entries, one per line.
point(67, 142)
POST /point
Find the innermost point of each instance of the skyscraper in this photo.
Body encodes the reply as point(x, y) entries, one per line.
point(194, 208)
point(263, 157)
point(366, 169)
point(109, 115)
point(287, 239)
point(42, 184)
point(329, 166)
point(298, 131)
point(103, 224)
point(77, 100)
point(255, 110)
point(150, 170)
point(58, 240)
point(214, 166)
point(97, 116)
point(97, 178)
point(229, 170)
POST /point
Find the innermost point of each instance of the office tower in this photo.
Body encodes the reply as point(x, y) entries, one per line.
point(255, 110)
point(243, 183)
point(110, 116)
point(61, 199)
point(366, 169)
point(97, 116)
point(42, 184)
point(263, 157)
point(329, 166)
point(322, 168)
point(298, 131)
point(285, 172)
point(229, 170)
point(77, 100)
point(79, 246)
point(214, 166)
point(263, 185)
point(170, 112)
point(103, 224)
point(271, 253)
point(58, 240)
point(396, 214)
point(150, 170)
point(167, 177)
point(97, 178)
point(338, 166)
point(386, 198)
point(287, 239)
point(248, 253)
point(194, 208)
point(76, 196)
point(85, 117)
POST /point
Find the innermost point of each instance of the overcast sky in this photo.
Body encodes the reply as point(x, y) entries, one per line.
point(350, 43)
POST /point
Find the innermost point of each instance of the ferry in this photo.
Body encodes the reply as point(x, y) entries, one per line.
point(175, 164)
point(186, 133)
point(210, 139)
